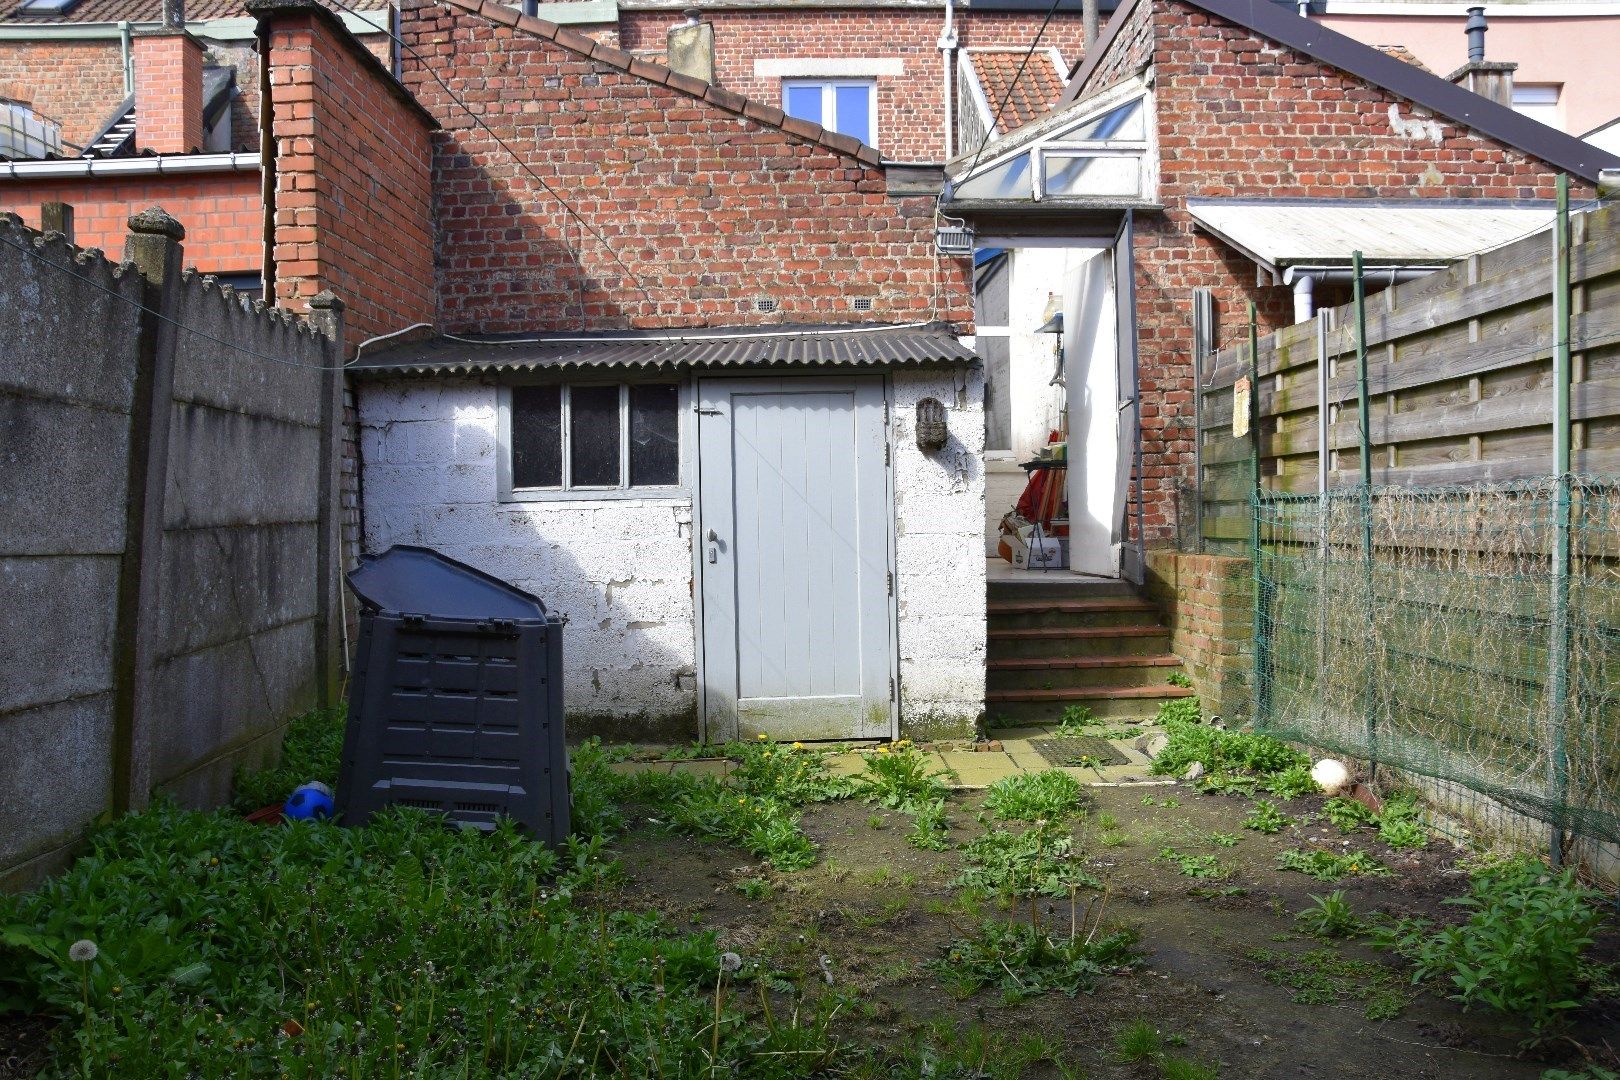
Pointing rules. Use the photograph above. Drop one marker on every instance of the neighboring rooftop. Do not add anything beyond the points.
(139, 11)
(1028, 81)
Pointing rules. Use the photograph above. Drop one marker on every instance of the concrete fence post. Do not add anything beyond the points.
(326, 315)
(153, 245)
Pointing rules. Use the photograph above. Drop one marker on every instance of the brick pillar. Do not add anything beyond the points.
(168, 92)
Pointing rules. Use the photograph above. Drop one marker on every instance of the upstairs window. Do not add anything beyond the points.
(847, 106)
(1538, 101)
(594, 439)
(24, 134)
(40, 9)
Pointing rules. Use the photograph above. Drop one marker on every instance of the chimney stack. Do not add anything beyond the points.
(691, 47)
(168, 85)
(1487, 78)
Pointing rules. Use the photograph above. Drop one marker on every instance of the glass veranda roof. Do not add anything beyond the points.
(1101, 155)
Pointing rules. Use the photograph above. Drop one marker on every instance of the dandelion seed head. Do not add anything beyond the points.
(82, 951)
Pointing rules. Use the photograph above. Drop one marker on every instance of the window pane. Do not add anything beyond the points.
(1125, 122)
(1093, 175)
(853, 109)
(593, 436)
(1009, 180)
(655, 457)
(802, 101)
(536, 436)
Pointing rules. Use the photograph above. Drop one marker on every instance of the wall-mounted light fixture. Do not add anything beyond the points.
(1054, 326)
(931, 430)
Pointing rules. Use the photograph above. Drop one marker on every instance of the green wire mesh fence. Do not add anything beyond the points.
(1437, 631)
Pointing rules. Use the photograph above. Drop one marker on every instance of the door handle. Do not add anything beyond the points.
(714, 550)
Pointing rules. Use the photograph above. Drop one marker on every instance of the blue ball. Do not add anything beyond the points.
(309, 802)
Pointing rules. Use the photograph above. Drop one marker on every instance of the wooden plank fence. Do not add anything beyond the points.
(1459, 376)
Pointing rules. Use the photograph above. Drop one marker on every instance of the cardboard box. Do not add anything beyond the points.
(1045, 553)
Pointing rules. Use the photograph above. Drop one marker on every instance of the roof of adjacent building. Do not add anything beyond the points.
(1029, 81)
(1277, 233)
(150, 11)
(784, 346)
(1377, 68)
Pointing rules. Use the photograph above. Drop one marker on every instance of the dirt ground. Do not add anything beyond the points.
(1225, 960)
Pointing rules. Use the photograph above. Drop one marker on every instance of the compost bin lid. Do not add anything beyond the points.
(420, 581)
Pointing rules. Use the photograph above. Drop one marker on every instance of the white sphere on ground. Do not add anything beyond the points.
(1331, 775)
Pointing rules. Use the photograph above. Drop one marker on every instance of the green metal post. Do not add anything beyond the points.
(1559, 647)
(1262, 643)
(1369, 691)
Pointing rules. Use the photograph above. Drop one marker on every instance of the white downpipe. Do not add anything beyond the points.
(947, 55)
(1304, 297)
(1304, 279)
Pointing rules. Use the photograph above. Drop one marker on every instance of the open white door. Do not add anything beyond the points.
(1099, 348)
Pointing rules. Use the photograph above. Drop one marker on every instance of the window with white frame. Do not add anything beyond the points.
(847, 106)
(593, 439)
(1104, 155)
(1538, 101)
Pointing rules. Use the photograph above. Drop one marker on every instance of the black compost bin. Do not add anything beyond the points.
(456, 705)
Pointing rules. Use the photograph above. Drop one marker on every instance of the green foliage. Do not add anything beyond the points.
(1292, 782)
(1329, 866)
(1040, 860)
(1221, 839)
(1185, 1069)
(1220, 751)
(1225, 783)
(1197, 866)
(1023, 960)
(788, 774)
(1400, 825)
(310, 750)
(1522, 950)
(898, 777)
(1075, 718)
(929, 828)
(1179, 678)
(1330, 916)
(755, 888)
(1044, 796)
(947, 1050)
(1324, 977)
(1179, 711)
(1596, 1072)
(1266, 818)
(1138, 1041)
(1347, 815)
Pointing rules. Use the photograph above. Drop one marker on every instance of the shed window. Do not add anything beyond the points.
(595, 437)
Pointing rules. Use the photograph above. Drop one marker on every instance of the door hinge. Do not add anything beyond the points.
(890, 576)
(885, 455)
(891, 687)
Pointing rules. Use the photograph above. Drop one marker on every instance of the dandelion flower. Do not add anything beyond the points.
(82, 951)
(761, 736)
(798, 746)
(730, 961)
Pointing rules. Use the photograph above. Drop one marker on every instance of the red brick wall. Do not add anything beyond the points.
(352, 198)
(221, 213)
(168, 93)
(708, 210)
(75, 83)
(911, 109)
(1239, 116)
(1208, 603)
(1130, 48)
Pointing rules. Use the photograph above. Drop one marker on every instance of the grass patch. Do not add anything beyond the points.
(1196, 866)
(1326, 977)
(1023, 960)
(1328, 866)
(1138, 1041)
(1044, 796)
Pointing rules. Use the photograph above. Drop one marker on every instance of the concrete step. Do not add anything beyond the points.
(1078, 641)
(1053, 586)
(1101, 611)
(1110, 702)
(1067, 672)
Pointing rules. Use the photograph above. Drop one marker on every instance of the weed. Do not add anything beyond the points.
(876, 821)
(1219, 751)
(1044, 796)
(1266, 818)
(309, 751)
(1041, 860)
(1522, 950)
(1022, 960)
(1179, 711)
(1348, 815)
(1328, 866)
(1292, 783)
(1196, 866)
(1075, 717)
(950, 1051)
(929, 828)
(899, 778)
(1324, 977)
(1330, 916)
(1186, 1069)
(1138, 1041)
(1179, 678)
(1595, 1072)
(755, 888)
(1400, 825)
(1225, 783)
(1220, 839)
(1107, 821)
(1112, 839)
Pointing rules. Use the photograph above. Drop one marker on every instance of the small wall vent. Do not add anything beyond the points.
(861, 303)
(764, 305)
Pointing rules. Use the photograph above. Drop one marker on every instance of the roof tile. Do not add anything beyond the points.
(1028, 94)
(97, 11)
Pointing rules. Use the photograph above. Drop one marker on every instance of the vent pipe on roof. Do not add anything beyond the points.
(1475, 29)
(531, 7)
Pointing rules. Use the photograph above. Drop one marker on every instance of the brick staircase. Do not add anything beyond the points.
(1075, 641)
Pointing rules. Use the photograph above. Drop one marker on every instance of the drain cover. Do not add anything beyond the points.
(1079, 751)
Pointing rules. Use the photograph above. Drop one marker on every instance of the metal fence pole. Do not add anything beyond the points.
(1559, 647)
(1364, 425)
(1323, 456)
(1262, 641)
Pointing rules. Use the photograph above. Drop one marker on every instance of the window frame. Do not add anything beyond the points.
(679, 492)
(829, 85)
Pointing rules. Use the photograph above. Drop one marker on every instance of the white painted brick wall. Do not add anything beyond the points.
(622, 570)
